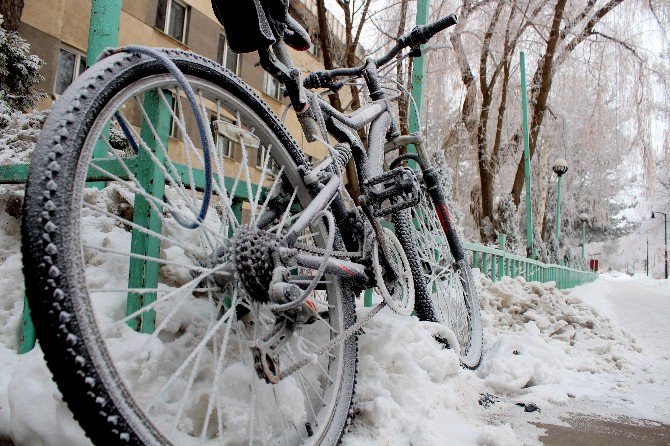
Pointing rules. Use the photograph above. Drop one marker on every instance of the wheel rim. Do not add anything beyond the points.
(211, 393)
(445, 282)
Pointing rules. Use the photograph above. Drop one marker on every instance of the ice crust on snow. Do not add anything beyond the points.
(18, 133)
(543, 346)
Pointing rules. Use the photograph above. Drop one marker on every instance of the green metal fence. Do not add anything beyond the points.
(142, 271)
(495, 264)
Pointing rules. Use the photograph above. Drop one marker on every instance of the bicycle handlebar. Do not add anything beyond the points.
(419, 35)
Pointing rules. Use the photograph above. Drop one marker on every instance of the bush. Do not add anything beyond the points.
(19, 71)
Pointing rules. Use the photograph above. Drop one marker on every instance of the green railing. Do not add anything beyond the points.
(143, 271)
(495, 264)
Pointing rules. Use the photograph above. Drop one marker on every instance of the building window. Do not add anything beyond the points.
(176, 112)
(261, 154)
(226, 57)
(315, 49)
(172, 19)
(224, 145)
(70, 65)
(272, 87)
(260, 157)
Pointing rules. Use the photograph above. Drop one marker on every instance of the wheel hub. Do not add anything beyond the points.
(252, 252)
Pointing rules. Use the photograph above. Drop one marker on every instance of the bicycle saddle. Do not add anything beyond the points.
(254, 24)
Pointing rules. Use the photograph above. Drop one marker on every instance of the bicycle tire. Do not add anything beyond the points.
(425, 234)
(101, 399)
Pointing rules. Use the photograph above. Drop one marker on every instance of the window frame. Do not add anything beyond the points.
(168, 13)
(174, 127)
(267, 81)
(79, 57)
(260, 156)
(223, 56)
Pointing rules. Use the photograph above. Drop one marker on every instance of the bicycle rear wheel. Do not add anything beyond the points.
(445, 291)
(147, 332)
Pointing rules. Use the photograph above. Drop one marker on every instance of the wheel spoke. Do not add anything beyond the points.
(172, 312)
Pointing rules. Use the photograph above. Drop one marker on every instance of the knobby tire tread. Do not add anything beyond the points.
(47, 204)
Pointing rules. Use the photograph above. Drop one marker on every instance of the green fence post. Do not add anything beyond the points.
(418, 72)
(367, 298)
(527, 271)
(485, 265)
(530, 248)
(501, 259)
(103, 32)
(143, 273)
(475, 258)
(27, 330)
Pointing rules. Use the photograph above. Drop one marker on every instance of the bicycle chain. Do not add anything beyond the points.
(317, 250)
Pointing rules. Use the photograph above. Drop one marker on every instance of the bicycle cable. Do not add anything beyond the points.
(205, 135)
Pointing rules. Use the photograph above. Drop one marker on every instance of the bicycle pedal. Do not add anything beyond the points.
(391, 192)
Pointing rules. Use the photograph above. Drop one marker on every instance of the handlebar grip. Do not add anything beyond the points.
(441, 25)
(423, 33)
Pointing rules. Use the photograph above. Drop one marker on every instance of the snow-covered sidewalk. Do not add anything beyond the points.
(641, 306)
(600, 349)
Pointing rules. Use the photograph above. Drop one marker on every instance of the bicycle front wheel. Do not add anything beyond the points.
(445, 291)
(151, 337)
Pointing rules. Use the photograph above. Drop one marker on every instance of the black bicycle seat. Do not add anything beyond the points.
(254, 24)
(296, 36)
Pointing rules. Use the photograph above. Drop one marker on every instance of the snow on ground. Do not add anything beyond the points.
(600, 349)
(563, 352)
(18, 133)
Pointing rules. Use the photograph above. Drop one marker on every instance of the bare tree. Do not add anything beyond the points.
(355, 17)
(555, 28)
(11, 11)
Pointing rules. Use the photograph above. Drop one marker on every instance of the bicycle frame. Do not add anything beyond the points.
(368, 162)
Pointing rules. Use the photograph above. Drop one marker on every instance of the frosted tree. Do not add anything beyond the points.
(19, 71)
(506, 222)
(446, 176)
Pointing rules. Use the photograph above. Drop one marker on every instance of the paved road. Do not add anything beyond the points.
(642, 307)
(587, 431)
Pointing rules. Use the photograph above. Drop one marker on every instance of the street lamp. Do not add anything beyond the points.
(560, 167)
(584, 218)
(665, 233)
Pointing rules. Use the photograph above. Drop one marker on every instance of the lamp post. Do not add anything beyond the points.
(560, 167)
(646, 265)
(584, 218)
(665, 234)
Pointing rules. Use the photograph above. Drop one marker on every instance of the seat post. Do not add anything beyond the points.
(277, 63)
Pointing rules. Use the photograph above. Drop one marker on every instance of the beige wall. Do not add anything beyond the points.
(50, 24)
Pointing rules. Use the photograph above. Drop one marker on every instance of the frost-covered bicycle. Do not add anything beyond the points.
(192, 276)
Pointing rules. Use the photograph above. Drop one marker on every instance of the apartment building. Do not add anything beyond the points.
(57, 31)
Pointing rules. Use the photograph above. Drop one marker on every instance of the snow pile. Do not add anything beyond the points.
(547, 353)
(18, 133)
(541, 337)
(411, 390)
(11, 277)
